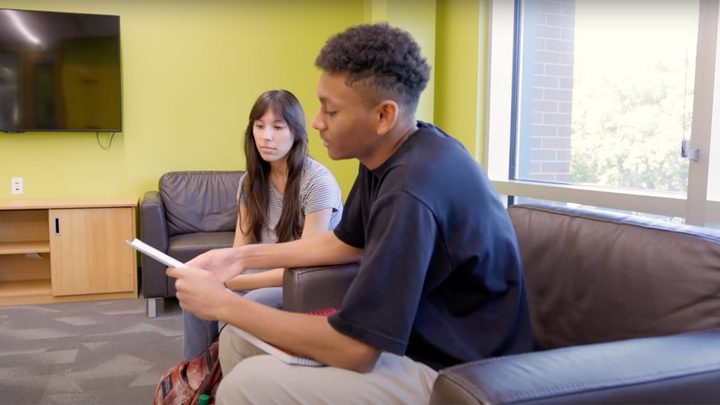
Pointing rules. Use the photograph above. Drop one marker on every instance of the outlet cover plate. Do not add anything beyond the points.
(16, 185)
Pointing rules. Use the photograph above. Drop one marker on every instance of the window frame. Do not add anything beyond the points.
(696, 208)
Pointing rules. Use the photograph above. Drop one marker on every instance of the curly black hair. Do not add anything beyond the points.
(388, 57)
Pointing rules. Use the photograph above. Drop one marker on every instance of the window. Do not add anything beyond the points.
(590, 102)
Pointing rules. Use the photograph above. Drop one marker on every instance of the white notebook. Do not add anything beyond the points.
(274, 351)
(262, 345)
(143, 247)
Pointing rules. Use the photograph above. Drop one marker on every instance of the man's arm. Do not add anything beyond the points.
(322, 249)
(317, 250)
(203, 294)
(315, 223)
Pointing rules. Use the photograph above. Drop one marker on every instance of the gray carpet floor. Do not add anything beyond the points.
(103, 352)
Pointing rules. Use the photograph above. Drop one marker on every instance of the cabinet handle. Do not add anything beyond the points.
(56, 222)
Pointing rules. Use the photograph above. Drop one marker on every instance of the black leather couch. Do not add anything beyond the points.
(190, 213)
(624, 309)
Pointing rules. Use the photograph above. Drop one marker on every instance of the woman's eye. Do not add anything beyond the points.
(279, 128)
(330, 113)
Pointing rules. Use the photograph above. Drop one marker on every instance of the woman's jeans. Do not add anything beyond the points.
(200, 333)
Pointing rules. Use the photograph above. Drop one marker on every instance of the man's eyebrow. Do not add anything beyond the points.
(325, 101)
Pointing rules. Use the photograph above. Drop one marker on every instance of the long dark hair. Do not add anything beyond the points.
(255, 188)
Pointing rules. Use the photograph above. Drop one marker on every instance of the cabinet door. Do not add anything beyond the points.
(88, 253)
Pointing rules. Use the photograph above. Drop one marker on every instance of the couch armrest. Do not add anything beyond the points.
(681, 368)
(154, 232)
(313, 288)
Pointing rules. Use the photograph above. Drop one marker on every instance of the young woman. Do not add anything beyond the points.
(284, 195)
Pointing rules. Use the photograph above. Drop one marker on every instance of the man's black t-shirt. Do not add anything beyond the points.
(440, 278)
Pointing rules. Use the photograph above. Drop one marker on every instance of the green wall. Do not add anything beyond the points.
(460, 71)
(192, 69)
(418, 17)
(452, 34)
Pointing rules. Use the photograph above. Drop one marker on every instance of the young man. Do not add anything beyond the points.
(440, 281)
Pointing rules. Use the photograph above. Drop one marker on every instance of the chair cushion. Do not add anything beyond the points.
(185, 247)
(200, 201)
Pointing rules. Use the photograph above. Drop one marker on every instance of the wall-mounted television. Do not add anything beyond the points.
(59, 72)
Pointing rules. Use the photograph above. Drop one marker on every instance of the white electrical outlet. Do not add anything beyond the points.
(16, 185)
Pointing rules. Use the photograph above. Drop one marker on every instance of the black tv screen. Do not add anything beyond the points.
(59, 72)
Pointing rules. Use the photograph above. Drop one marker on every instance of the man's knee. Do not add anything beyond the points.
(233, 349)
(253, 380)
(225, 352)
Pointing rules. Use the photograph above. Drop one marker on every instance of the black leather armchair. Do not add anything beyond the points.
(624, 309)
(314, 288)
(190, 213)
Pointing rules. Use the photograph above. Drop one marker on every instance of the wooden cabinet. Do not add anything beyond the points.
(70, 250)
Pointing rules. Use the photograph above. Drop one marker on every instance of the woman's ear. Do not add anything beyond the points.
(387, 116)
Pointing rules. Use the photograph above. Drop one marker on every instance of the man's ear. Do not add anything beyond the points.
(387, 115)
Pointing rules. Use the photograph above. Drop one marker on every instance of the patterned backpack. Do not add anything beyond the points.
(184, 383)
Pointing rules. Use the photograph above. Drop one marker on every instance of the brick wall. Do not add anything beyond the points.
(546, 93)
